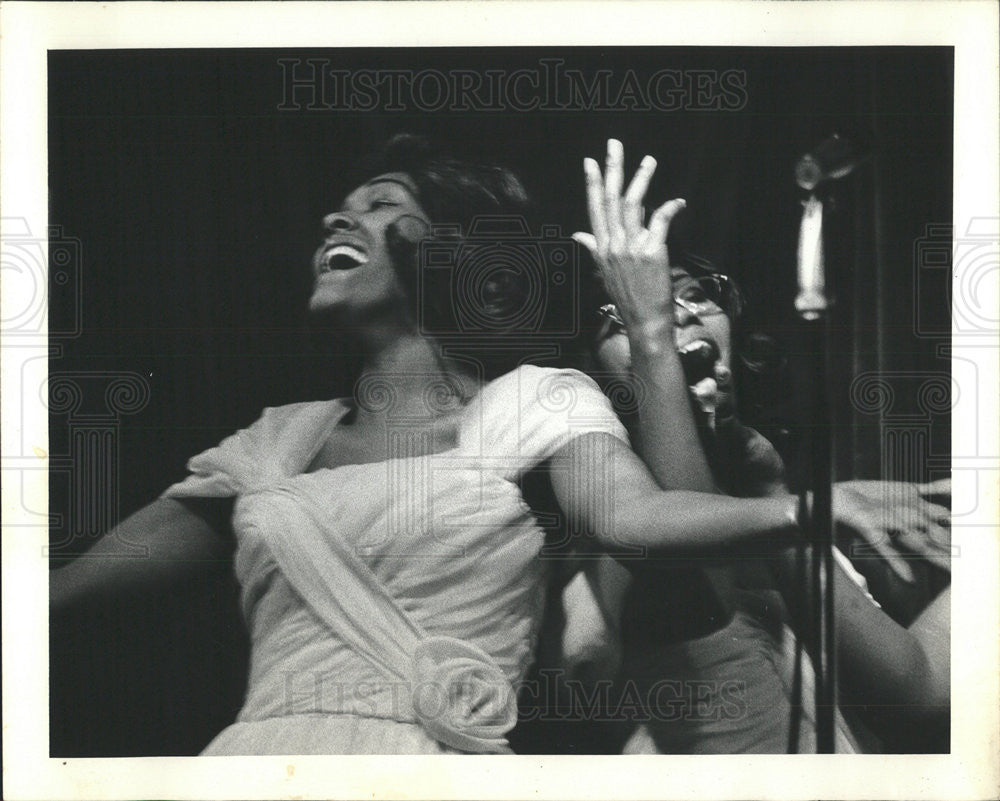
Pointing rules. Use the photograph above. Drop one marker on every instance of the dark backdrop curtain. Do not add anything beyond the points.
(195, 204)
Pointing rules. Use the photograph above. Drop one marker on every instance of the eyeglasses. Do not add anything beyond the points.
(703, 296)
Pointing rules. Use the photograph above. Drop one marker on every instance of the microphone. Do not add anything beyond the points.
(831, 159)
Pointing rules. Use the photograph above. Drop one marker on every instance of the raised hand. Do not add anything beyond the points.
(630, 255)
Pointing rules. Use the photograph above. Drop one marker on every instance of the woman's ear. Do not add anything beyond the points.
(411, 228)
(403, 238)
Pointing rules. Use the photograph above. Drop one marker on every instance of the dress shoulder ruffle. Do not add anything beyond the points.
(281, 443)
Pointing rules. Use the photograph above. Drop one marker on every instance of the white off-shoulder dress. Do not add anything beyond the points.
(392, 607)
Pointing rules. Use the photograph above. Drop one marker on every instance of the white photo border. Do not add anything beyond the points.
(29, 30)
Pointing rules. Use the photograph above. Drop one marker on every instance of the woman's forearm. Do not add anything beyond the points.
(631, 256)
(667, 439)
(161, 543)
(606, 490)
(687, 523)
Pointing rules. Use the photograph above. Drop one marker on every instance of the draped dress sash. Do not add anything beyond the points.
(458, 693)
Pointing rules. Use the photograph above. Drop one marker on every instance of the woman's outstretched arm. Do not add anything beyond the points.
(166, 541)
(607, 491)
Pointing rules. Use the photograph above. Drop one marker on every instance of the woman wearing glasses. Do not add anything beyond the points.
(709, 646)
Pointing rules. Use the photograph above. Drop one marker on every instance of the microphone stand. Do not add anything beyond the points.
(816, 518)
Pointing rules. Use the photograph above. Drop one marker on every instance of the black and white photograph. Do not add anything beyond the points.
(568, 397)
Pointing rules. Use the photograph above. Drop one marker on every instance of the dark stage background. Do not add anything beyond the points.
(196, 201)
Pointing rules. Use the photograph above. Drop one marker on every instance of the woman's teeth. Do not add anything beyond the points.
(703, 347)
(343, 257)
(698, 360)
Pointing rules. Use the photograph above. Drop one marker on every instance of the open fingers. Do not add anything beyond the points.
(937, 513)
(877, 539)
(928, 546)
(659, 221)
(632, 210)
(595, 203)
(940, 537)
(588, 241)
(933, 487)
(614, 177)
(893, 558)
(939, 490)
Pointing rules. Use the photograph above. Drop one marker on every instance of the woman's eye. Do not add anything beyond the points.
(379, 204)
(693, 294)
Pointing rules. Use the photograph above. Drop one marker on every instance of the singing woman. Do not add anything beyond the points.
(682, 624)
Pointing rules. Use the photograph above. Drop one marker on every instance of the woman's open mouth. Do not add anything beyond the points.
(698, 359)
(341, 257)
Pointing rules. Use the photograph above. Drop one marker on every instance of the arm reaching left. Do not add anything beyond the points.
(180, 539)
(604, 487)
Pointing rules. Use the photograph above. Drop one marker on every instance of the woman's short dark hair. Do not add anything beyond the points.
(455, 194)
(452, 192)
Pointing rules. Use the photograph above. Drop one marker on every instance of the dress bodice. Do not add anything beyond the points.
(343, 570)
